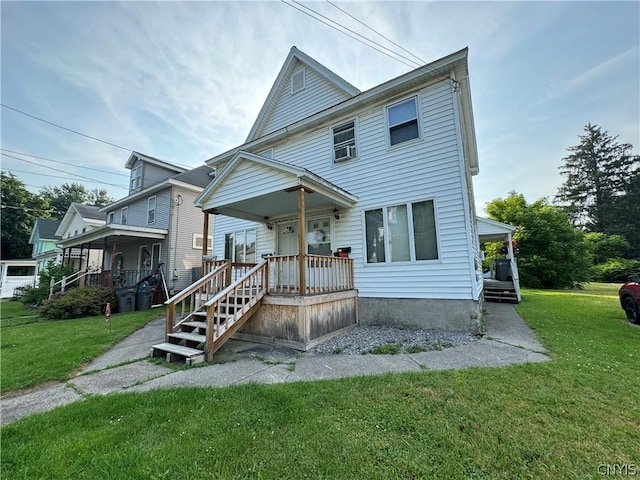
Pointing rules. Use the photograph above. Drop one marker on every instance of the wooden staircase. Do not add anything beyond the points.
(502, 292)
(220, 308)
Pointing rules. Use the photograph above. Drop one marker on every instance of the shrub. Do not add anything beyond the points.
(36, 295)
(78, 302)
(616, 270)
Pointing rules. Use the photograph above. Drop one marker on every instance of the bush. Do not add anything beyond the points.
(616, 270)
(78, 302)
(36, 295)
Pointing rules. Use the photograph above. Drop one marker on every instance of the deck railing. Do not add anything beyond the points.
(183, 304)
(323, 274)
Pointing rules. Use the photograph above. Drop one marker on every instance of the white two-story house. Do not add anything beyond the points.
(380, 179)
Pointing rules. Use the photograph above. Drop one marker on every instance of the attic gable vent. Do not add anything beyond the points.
(297, 81)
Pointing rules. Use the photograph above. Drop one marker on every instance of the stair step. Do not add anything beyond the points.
(192, 355)
(204, 315)
(191, 337)
(195, 324)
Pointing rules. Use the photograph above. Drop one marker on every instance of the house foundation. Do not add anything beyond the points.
(444, 314)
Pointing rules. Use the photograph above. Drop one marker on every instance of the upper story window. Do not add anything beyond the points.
(136, 177)
(402, 119)
(344, 141)
(110, 217)
(123, 215)
(151, 210)
(297, 81)
(401, 233)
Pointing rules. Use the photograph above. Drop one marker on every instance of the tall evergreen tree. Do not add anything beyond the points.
(597, 174)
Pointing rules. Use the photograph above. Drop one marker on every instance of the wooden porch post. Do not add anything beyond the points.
(205, 239)
(510, 247)
(113, 258)
(64, 251)
(104, 254)
(302, 250)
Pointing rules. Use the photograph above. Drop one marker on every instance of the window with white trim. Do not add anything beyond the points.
(402, 120)
(110, 218)
(344, 141)
(197, 242)
(297, 81)
(151, 210)
(136, 177)
(123, 215)
(240, 246)
(401, 233)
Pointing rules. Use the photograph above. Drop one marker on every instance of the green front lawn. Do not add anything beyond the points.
(559, 419)
(34, 351)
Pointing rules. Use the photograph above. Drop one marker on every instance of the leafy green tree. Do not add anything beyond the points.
(597, 175)
(60, 198)
(552, 252)
(605, 247)
(20, 208)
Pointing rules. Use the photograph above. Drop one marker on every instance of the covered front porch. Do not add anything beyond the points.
(502, 281)
(129, 256)
(297, 296)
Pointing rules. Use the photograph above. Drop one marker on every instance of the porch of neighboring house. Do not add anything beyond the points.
(502, 281)
(294, 298)
(125, 263)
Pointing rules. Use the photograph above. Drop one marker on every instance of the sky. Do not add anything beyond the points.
(184, 81)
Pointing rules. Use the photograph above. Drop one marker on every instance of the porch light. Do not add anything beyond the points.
(336, 214)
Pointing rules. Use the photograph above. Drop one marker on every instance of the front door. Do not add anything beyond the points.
(287, 244)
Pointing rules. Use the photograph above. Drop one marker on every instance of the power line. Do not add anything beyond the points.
(67, 129)
(345, 33)
(377, 33)
(413, 65)
(68, 173)
(64, 163)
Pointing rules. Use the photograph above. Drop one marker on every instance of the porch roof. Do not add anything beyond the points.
(493, 231)
(124, 232)
(257, 188)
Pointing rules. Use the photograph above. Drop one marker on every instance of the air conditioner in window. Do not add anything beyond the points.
(345, 153)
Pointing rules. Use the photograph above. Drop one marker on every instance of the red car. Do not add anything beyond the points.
(630, 298)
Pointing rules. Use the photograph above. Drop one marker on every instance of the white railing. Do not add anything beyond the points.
(67, 280)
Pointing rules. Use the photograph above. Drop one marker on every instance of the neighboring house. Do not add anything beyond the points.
(16, 273)
(77, 221)
(155, 224)
(382, 176)
(44, 240)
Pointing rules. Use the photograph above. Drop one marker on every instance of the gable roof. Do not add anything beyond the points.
(282, 80)
(46, 228)
(135, 156)
(453, 65)
(270, 198)
(199, 176)
(89, 214)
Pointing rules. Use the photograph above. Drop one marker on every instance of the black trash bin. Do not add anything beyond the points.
(126, 297)
(144, 296)
(503, 269)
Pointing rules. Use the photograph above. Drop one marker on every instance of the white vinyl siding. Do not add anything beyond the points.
(318, 94)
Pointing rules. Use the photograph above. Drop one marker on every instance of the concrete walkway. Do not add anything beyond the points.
(508, 340)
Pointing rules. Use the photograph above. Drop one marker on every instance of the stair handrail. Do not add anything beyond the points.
(190, 293)
(248, 280)
(67, 280)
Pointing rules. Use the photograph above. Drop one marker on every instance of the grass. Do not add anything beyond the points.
(33, 353)
(559, 419)
(15, 313)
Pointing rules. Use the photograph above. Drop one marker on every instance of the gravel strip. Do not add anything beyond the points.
(384, 339)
